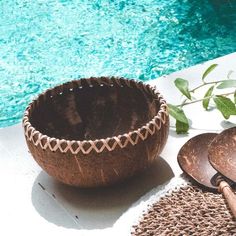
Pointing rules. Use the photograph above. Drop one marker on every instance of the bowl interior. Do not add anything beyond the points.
(94, 112)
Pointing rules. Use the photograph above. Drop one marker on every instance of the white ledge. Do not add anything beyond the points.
(33, 203)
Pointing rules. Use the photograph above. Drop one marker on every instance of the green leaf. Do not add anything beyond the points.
(177, 113)
(227, 84)
(181, 128)
(182, 125)
(235, 96)
(208, 71)
(182, 85)
(225, 106)
(206, 100)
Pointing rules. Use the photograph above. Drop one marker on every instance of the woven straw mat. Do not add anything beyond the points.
(188, 210)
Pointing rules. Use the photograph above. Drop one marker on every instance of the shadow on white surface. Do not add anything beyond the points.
(173, 133)
(94, 208)
(227, 124)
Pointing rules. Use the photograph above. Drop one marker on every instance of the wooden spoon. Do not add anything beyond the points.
(222, 156)
(193, 160)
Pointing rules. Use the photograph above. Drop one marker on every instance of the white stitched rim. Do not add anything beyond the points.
(109, 143)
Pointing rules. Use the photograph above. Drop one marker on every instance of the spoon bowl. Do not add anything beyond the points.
(222, 153)
(193, 160)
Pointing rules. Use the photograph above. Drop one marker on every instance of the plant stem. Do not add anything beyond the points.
(207, 83)
(199, 100)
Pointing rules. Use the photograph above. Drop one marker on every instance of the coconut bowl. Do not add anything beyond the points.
(97, 131)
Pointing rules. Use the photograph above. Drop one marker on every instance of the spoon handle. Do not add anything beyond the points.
(229, 195)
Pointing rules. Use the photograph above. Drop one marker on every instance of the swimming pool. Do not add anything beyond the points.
(46, 42)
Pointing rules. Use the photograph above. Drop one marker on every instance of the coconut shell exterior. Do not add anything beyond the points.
(222, 153)
(97, 131)
(193, 160)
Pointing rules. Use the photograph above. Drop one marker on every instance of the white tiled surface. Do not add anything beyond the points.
(25, 208)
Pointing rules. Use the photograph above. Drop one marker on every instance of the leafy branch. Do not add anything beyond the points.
(222, 102)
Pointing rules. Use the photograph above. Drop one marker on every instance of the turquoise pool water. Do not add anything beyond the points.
(46, 42)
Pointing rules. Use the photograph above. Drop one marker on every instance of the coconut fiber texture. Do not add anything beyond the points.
(188, 210)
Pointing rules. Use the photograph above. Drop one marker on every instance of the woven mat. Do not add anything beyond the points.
(187, 211)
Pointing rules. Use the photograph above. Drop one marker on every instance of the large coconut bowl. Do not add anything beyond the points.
(97, 131)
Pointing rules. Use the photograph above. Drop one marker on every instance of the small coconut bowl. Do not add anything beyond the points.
(97, 131)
